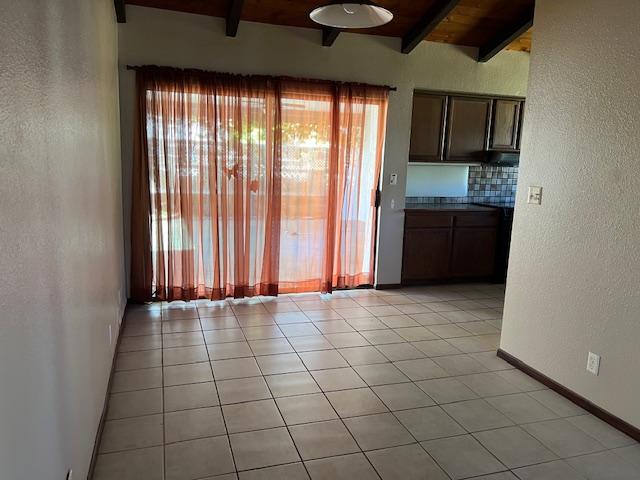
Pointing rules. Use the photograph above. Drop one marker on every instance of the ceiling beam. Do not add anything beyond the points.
(505, 37)
(233, 17)
(329, 35)
(121, 13)
(427, 24)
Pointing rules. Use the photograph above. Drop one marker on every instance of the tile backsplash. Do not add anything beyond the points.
(487, 183)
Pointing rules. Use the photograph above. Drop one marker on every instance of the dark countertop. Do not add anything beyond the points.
(496, 204)
(450, 207)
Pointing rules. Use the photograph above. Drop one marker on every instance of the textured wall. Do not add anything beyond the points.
(574, 271)
(153, 36)
(61, 259)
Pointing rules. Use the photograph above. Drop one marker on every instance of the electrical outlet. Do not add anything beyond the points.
(534, 195)
(70, 474)
(393, 179)
(393, 204)
(593, 363)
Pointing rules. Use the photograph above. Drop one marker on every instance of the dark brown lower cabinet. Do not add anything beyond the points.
(444, 245)
(423, 257)
(474, 252)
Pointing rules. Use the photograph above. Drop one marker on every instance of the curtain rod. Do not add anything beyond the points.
(138, 67)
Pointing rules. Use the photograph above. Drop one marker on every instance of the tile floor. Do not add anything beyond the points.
(396, 384)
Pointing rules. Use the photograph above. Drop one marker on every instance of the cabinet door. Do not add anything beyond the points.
(426, 254)
(474, 252)
(427, 128)
(467, 129)
(505, 124)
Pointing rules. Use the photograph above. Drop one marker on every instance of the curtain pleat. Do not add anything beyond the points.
(249, 186)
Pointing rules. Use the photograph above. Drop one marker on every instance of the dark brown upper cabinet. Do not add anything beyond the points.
(467, 131)
(427, 127)
(505, 125)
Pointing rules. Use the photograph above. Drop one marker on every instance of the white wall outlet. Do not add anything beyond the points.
(393, 179)
(593, 363)
(534, 195)
(110, 335)
(70, 474)
(393, 204)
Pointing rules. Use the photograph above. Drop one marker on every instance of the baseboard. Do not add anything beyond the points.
(96, 443)
(579, 400)
(387, 286)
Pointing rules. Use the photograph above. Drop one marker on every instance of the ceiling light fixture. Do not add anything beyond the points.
(351, 15)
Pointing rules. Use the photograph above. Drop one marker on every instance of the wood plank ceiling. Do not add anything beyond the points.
(490, 25)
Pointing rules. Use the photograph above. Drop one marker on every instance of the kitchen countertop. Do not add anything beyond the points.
(450, 207)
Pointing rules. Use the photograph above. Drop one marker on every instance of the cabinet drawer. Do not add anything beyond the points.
(477, 220)
(428, 220)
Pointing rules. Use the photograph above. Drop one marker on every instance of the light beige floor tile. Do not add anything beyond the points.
(476, 415)
(429, 423)
(258, 415)
(382, 311)
(130, 380)
(337, 379)
(235, 368)
(216, 323)
(134, 404)
(431, 318)
(420, 369)
(287, 384)
(299, 330)
(522, 381)
(436, 348)
(285, 318)
(291, 471)
(305, 409)
(362, 355)
(270, 346)
(462, 457)
(363, 324)
(144, 463)
(135, 329)
(334, 326)
(557, 403)
(521, 408)
(198, 458)
(184, 339)
(604, 466)
(345, 467)
(323, 359)
(243, 390)
(145, 342)
(263, 448)
(400, 351)
(459, 364)
(382, 337)
(178, 326)
(399, 321)
(322, 315)
(380, 374)
(488, 384)
(449, 330)
(408, 462)
(402, 396)
(192, 424)
(491, 361)
(378, 431)
(262, 332)
(601, 431)
(415, 334)
(224, 351)
(190, 373)
(360, 401)
(347, 339)
(184, 355)
(256, 320)
(446, 390)
(195, 395)
(309, 344)
(563, 438)
(130, 433)
(514, 447)
(557, 470)
(138, 360)
(323, 439)
(280, 363)
(225, 335)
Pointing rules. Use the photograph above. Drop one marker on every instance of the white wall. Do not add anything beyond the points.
(574, 273)
(61, 253)
(160, 37)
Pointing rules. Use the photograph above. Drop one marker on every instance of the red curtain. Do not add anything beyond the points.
(250, 185)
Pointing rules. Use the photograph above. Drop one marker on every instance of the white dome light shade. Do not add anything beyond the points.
(351, 15)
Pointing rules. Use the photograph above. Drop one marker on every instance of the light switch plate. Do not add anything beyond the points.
(534, 195)
(593, 363)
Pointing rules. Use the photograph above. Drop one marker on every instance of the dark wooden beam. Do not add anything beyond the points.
(427, 24)
(121, 13)
(329, 35)
(233, 17)
(505, 37)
